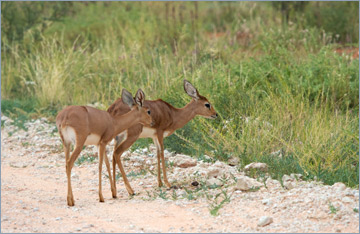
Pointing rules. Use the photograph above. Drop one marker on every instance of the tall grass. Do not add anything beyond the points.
(274, 87)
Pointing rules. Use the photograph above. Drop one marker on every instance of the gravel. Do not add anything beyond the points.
(33, 170)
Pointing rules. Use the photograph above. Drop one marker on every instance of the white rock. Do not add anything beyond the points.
(246, 183)
(180, 193)
(267, 201)
(184, 161)
(347, 200)
(213, 172)
(287, 178)
(265, 220)
(289, 184)
(270, 182)
(296, 176)
(258, 166)
(233, 161)
(213, 181)
(339, 186)
(207, 158)
(220, 164)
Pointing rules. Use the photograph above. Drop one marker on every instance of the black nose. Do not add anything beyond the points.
(216, 115)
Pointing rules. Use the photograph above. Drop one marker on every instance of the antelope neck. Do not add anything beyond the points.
(125, 121)
(183, 115)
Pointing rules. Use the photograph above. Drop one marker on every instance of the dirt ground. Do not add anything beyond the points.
(34, 187)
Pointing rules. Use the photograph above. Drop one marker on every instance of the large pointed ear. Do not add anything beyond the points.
(127, 98)
(191, 90)
(140, 97)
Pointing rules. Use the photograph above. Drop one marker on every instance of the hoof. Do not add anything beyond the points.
(70, 202)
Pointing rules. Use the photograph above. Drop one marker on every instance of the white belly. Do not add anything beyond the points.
(69, 135)
(148, 132)
(151, 133)
(92, 139)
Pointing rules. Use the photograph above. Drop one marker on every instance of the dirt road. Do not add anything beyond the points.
(34, 186)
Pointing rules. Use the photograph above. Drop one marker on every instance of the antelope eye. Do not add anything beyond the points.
(207, 105)
(149, 112)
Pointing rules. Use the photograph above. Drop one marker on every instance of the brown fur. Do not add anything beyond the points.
(85, 120)
(166, 119)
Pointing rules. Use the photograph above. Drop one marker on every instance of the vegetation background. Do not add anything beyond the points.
(274, 71)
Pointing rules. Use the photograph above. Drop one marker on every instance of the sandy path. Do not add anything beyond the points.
(33, 198)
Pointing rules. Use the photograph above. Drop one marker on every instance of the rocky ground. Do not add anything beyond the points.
(211, 197)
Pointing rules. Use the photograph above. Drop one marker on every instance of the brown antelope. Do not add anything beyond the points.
(166, 120)
(84, 125)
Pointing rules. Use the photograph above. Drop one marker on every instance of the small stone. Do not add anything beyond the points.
(347, 200)
(213, 172)
(78, 229)
(296, 176)
(338, 230)
(36, 209)
(88, 226)
(245, 183)
(258, 166)
(265, 220)
(289, 184)
(339, 186)
(184, 161)
(266, 201)
(213, 181)
(233, 161)
(287, 178)
(58, 218)
(195, 183)
(242, 185)
(180, 193)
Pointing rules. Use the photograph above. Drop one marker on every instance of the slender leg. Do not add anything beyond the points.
(101, 158)
(69, 166)
(158, 149)
(160, 142)
(114, 173)
(117, 159)
(109, 172)
(164, 164)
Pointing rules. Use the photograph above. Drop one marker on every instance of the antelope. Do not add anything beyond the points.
(166, 120)
(85, 125)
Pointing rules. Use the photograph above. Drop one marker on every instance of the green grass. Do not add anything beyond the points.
(276, 87)
(85, 158)
(332, 208)
(215, 205)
